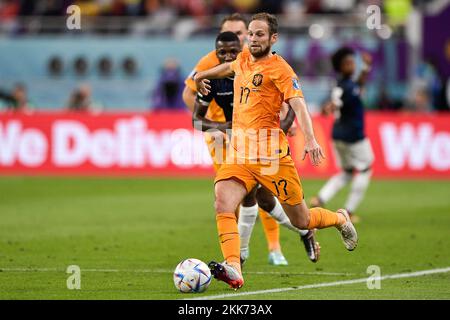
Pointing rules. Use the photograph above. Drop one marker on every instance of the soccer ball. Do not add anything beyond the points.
(192, 275)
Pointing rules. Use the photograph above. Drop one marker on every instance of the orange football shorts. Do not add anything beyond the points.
(278, 176)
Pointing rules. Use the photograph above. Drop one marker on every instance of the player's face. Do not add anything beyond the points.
(227, 51)
(348, 65)
(237, 27)
(259, 39)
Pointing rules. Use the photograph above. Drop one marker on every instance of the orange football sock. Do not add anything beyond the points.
(229, 238)
(271, 230)
(323, 218)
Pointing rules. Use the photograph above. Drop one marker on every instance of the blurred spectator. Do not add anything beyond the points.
(341, 6)
(223, 7)
(81, 100)
(51, 7)
(423, 86)
(313, 6)
(117, 8)
(129, 66)
(442, 96)
(168, 91)
(133, 7)
(246, 5)
(55, 66)
(385, 102)
(17, 100)
(272, 6)
(105, 66)
(150, 7)
(192, 8)
(89, 7)
(161, 15)
(9, 9)
(421, 101)
(80, 66)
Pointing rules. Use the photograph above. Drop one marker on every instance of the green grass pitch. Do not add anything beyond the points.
(127, 235)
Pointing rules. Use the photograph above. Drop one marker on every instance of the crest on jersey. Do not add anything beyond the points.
(257, 79)
(295, 84)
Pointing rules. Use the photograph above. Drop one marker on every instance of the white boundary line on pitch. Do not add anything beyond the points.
(317, 273)
(325, 284)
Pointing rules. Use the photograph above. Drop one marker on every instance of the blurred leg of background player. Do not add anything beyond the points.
(355, 159)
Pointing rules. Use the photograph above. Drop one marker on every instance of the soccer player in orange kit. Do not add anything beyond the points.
(249, 208)
(262, 81)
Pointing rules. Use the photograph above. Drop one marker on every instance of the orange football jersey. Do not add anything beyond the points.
(259, 89)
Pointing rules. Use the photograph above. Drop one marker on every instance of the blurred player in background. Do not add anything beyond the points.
(264, 81)
(248, 211)
(353, 150)
(227, 49)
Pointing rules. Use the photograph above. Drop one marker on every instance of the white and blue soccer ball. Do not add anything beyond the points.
(192, 275)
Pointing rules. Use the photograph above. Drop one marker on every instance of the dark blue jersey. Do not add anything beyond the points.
(349, 123)
(222, 92)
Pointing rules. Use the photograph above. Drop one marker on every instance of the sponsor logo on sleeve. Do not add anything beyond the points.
(295, 84)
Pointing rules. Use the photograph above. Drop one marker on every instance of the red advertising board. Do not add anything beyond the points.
(164, 144)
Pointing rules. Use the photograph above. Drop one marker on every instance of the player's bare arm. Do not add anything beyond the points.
(199, 121)
(311, 146)
(218, 72)
(189, 97)
(367, 65)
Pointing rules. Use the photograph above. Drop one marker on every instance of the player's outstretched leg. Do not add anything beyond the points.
(229, 193)
(271, 204)
(319, 218)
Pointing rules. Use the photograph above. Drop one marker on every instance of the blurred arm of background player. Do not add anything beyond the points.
(200, 122)
(367, 65)
(203, 87)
